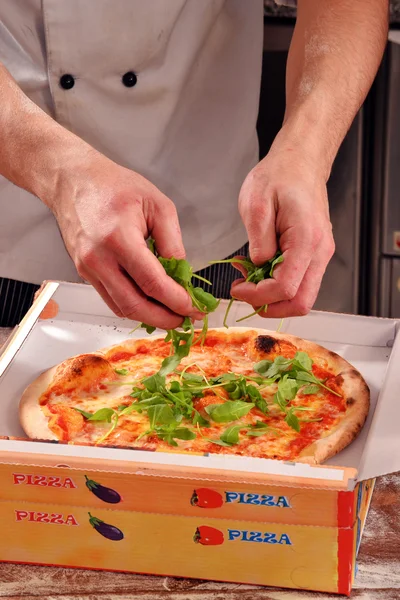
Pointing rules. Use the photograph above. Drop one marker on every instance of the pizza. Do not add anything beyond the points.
(241, 391)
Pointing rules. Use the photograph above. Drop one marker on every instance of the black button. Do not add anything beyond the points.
(67, 81)
(129, 79)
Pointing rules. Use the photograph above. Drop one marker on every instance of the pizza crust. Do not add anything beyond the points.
(32, 418)
(35, 422)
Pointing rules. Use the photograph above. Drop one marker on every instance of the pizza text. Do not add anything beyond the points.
(44, 517)
(257, 499)
(43, 480)
(258, 536)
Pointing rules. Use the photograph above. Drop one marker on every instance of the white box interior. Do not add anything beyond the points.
(84, 323)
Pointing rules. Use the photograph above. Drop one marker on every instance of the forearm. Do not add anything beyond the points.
(334, 55)
(35, 151)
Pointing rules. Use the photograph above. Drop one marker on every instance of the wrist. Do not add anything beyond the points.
(309, 134)
(62, 162)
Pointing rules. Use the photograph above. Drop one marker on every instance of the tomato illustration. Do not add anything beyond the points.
(208, 536)
(206, 498)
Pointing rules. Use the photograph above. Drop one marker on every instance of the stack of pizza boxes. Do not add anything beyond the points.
(216, 517)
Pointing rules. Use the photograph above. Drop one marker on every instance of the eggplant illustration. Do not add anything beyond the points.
(105, 529)
(103, 493)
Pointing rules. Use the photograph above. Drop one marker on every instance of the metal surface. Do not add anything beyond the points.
(382, 183)
(391, 191)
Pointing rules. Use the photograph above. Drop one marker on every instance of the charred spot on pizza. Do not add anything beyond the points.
(266, 343)
(350, 401)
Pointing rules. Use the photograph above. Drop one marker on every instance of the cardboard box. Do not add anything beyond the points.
(216, 517)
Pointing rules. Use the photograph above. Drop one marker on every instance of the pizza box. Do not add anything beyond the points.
(304, 521)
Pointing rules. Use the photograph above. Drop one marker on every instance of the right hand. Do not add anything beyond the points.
(105, 213)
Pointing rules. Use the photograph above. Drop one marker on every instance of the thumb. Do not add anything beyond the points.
(166, 230)
(259, 219)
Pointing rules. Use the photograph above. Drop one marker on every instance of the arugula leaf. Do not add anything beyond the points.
(236, 389)
(305, 376)
(313, 388)
(121, 371)
(199, 420)
(205, 301)
(259, 425)
(183, 433)
(231, 410)
(275, 261)
(87, 415)
(154, 383)
(263, 367)
(292, 420)
(103, 414)
(149, 328)
(144, 404)
(192, 377)
(256, 433)
(255, 274)
(170, 432)
(231, 434)
(169, 364)
(257, 399)
(288, 388)
(160, 414)
(302, 359)
(219, 443)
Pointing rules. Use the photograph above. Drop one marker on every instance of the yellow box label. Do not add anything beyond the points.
(220, 549)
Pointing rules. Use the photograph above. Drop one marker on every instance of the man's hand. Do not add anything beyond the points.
(334, 55)
(283, 204)
(105, 213)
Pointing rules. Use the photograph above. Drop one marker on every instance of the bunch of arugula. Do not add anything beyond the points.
(181, 341)
(172, 415)
(255, 274)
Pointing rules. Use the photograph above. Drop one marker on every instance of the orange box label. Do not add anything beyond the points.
(168, 495)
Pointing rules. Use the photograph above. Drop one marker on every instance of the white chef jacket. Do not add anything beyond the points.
(188, 125)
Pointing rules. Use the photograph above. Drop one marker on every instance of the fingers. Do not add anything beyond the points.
(258, 215)
(125, 299)
(166, 231)
(298, 248)
(149, 275)
(304, 298)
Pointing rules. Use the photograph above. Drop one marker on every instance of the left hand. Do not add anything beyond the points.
(283, 203)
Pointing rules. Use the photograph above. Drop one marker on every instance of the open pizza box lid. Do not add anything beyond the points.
(80, 322)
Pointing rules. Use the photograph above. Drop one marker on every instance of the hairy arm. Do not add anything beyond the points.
(105, 212)
(335, 52)
(334, 55)
(35, 150)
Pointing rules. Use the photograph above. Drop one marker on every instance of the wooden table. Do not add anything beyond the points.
(378, 576)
